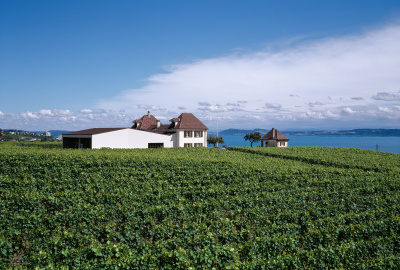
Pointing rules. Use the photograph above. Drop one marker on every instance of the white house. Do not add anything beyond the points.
(274, 138)
(147, 132)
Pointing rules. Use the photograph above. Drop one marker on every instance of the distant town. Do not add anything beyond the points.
(25, 136)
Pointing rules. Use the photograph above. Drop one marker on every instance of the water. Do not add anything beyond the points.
(385, 144)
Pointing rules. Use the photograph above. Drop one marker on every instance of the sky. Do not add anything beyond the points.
(292, 65)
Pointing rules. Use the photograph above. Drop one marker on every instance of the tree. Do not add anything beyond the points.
(214, 140)
(253, 137)
(220, 140)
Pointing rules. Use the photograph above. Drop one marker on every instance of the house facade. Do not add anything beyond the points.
(147, 132)
(274, 138)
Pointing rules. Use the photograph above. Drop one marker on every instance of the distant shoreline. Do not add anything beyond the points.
(322, 133)
(325, 133)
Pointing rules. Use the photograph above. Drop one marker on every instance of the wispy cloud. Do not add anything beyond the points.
(144, 107)
(387, 96)
(273, 106)
(204, 104)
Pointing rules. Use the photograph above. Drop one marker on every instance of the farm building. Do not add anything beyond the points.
(147, 132)
(274, 138)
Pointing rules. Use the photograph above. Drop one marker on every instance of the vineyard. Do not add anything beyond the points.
(198, 208)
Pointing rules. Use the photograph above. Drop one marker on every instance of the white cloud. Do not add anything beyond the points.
(351, 79)
(207, 107)
(334, 74)
(331, 115)
(384, 109)
(314, 115)
(86, 111)
(30, 115)
(46, 112)
(62, 112)
(348, 111)
(64, 119)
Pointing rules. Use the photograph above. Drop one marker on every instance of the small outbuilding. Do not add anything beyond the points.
(274, 138)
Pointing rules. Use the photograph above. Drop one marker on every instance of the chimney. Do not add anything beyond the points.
(148, 113)
(158, 123)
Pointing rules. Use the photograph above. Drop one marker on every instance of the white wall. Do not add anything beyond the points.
(130, 138)
(181, 140)
(278, 144)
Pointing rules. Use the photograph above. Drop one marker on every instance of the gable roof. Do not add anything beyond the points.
(274, 134)
(92, 131)
(145, 122)
(187, 121)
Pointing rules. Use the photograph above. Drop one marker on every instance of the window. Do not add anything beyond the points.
(188, 134)
(187, 145)
(198, 144)
(155, 145)
(198, 134)
(282, 143)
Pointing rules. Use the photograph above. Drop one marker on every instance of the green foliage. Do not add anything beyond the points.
(252, 137)
(331, 156)
(214, 140)
(198, 208)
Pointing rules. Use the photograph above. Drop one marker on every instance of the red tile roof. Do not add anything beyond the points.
(92, 131)
(149, 123)
(162, 129)
(187, 121)
(145, 122)
(274, 134)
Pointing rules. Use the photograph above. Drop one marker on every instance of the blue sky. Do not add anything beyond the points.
(74, 65)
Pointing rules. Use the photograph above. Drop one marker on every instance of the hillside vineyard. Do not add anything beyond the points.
(199, 208)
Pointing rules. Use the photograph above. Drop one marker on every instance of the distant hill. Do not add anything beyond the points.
(353, 132)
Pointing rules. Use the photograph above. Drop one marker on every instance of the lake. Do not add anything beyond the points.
(385, 144)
